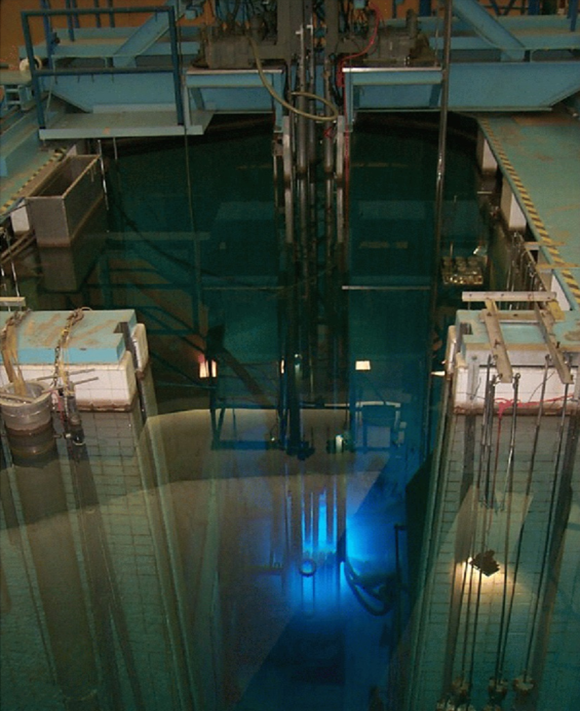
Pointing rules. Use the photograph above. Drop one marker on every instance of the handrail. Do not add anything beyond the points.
(72, 4)
(36, 73)
(97, 5)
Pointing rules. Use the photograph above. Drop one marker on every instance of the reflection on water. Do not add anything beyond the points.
(149, 567)
(247, 545)
(65, 270)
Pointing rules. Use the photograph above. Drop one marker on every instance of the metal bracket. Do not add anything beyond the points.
(287, 164)
(13, 302)
(541, 315)
(491, 319)
(340, 131)
(546, 324)
(509, 296)
(340, 197)
(472, 377)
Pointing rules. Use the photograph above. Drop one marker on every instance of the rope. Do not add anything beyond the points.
(9, 349)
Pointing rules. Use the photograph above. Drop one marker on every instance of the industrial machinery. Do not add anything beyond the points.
(103, 72)
(163, 70)
(337, 29)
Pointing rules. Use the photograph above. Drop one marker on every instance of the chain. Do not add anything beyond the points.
(8, 344)
(73, 318)
(15, 320)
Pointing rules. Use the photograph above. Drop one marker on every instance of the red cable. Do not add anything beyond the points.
(342, 62)
(504, 405)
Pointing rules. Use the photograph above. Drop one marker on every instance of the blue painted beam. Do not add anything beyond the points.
(238, 90)
(546, 32)
(391, 76)
(530, 42)
(489, 86)
(487, 27)
(37, 74)
(512, 22)
(147, 34)
(485, 86)
(107, 48)
(125, 122)
(92, 91)
(19, 143)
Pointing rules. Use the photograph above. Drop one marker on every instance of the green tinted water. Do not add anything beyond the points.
(214, 562)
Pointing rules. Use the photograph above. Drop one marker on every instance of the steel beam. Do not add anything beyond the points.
(486, 26)
(148, 34)
(474, 86)
(232, 90)
(36, 74)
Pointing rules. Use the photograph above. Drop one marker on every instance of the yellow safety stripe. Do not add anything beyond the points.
(530, 209)
(57, 155)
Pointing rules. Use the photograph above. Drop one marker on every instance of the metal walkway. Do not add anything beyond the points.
(540, 156)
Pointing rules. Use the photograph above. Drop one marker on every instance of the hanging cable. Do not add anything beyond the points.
(508, 491)
(549, 526)
(467, 612)
(333, 116)
(366, 50)
(524, 518)
(190, 208)
(510, 463)
(475, 623)
(474, 507)
(487, 448)
(475, 503)
(491, 485)
(489, 405)
(484, 425)
(340, 84)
